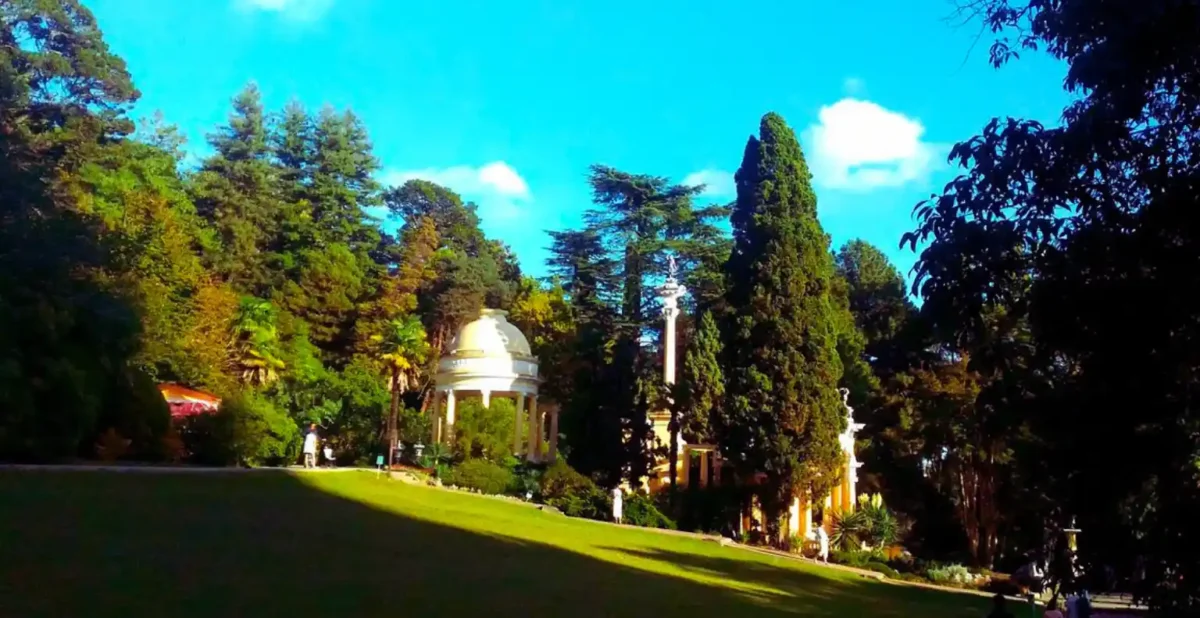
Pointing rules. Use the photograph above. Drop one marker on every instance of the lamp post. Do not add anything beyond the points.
(1072, 536)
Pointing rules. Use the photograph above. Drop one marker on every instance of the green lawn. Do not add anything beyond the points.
(99, 544)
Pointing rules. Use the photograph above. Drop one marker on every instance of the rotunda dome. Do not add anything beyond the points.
(491, 335)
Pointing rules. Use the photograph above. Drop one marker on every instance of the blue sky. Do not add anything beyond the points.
(509, 102)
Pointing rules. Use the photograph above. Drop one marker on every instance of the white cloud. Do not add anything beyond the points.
(297, 10)
(859, 145)
(496, 187)
(717, 183)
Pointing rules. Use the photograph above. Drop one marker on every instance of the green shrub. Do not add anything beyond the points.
(715, 507)
(259, 434)
(484, 433)
(481, 475)
(573, 493)
(137, 411)
(526, 481)
(640, 511)
(950, 575)
(880, 567)
(858, 558)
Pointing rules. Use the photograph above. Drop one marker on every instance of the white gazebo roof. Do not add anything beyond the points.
(489, 355)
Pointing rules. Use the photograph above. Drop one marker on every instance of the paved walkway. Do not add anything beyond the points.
(166, 469)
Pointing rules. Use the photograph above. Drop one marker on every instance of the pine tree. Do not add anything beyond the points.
(236, 190)
(782, 413)
(590, 422)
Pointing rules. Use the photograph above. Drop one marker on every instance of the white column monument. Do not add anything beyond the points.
(670, 293)
(660, 420)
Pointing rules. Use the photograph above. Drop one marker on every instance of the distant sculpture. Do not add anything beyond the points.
(672, 269)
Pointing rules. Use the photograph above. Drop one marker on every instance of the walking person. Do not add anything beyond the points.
(823, 540)
(310, 447)
(328, 453)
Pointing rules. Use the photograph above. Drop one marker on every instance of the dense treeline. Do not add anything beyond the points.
(1048, 376)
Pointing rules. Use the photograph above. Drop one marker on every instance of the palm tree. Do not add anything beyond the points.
(403, 348)
(257, 341)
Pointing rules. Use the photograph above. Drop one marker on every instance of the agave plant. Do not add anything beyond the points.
(872, 524)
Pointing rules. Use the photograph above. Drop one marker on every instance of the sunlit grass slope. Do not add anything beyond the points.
(103, 544)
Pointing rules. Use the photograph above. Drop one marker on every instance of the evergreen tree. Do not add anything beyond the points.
(328, 239)
(875, 294)
(236, 190)
(591, 425)
(782, 413)
(701, 387)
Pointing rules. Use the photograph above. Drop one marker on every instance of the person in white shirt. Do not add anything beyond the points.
(618, 506)
(823, 539)
(328, 452)
(310, 447)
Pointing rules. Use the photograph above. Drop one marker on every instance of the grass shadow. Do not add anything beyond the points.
(105, 544)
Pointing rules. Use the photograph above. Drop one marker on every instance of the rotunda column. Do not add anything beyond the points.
(449, 432)
(436, 418)
(517, 425)
(532, 453)
(487, 398)
(553, 455)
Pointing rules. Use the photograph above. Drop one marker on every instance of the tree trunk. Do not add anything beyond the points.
(393, 415)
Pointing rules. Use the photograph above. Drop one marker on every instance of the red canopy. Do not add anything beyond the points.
(187, 402)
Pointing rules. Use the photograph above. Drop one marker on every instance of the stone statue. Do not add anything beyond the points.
(672, 269)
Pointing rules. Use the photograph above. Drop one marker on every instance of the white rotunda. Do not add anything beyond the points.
(491, 357)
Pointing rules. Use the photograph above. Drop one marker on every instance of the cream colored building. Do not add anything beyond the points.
(490, 357)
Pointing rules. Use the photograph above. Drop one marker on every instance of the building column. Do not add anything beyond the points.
(851, 482)
(435, 418)
(827, 514)
(704, 468)
(847, 493)
(553, 435)
(487, 398)
(517, 416)
(448, 433)
(835, 498)
(806, 522)
(531, 454)
(794, 522)
(684, 467)
(543, 420)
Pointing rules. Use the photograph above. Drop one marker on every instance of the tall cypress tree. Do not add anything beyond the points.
(782, 413)
(701, 387)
